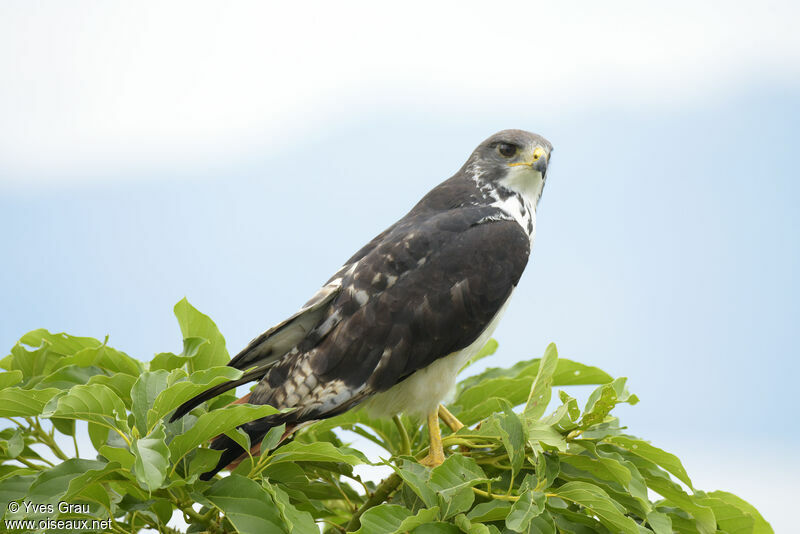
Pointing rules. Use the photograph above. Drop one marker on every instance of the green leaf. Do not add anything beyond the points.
(118, 455)
(119, 383)
(416, 477)
(512, 390)
(394, 519)
(602, 401)
(730, 519)
(453, 481)
(480, 396)
(179, 392)
(542, 524)
(62, 344)
(512, 434)
(565, 417)
(241, 438)
(317, 452)
(542, 436)
(660, 457)
(50, 350)
(18, 402)
(465, 525)
(437, 527)
(659, 523)
(487, 350)
(567, 373)
(760, 525)
(529, 505)
(548, 467)
(572, 522)
(65, 426)
(570, 373)
(602, 468)
(214, 423)
(494, 510)
(247, 505)
(95, 403)
(202, 461)
(296, 521)
(10, 378)
(13, 489)
(104, 357)
(51, 485)
(13, 445)
(198, 325)
(98, 435)
(629, 488)
(660, 482)
(272, 438)
(542, 386)
(143, 393)
(595, 481)
(523, 369)
(599, 503)
(383, 431)
(152, 459)
(111, 471)
(169, 361)
(487, 406)
(603, 430)
(163, 509)
(68, 376)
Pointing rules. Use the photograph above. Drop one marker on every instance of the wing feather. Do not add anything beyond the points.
(442, 281)
(281, 338)
(265, 350)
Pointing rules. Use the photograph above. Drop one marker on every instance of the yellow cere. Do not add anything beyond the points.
(538, 152)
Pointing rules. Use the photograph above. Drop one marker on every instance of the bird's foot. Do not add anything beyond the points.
(433, 459)
(449, 419)
(435, 455)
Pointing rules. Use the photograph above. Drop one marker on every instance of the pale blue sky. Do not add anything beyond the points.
(666, 249)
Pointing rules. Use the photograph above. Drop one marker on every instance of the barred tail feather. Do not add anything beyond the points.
(208, 394)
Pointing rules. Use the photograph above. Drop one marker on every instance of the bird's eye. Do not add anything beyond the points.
(507, 150)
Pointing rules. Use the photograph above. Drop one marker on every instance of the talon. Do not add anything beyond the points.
(433, 460)
(436, 455)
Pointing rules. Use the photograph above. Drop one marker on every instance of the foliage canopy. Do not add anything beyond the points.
(514, 468)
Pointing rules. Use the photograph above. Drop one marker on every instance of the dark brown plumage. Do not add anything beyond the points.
(424, 290)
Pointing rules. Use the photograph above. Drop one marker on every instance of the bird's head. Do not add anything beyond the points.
(513, 159)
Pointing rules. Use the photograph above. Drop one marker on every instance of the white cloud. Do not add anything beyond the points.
(98, 82)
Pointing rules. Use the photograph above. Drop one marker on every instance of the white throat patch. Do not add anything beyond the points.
(522, 180)
(525, 181)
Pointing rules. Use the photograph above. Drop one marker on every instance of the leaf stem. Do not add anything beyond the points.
(47, 439)
(382, 493)
(336, 485)
(574, 434)
(204, 520)
(367, 492)
(338, 527)
(405, 443)
(30, 464)
(488, 495)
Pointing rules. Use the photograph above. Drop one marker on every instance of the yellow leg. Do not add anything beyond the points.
(436, 454)
(450, 419)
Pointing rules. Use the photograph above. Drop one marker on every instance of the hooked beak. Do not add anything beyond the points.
(539, 162)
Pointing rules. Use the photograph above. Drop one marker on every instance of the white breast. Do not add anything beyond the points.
(522, 213)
